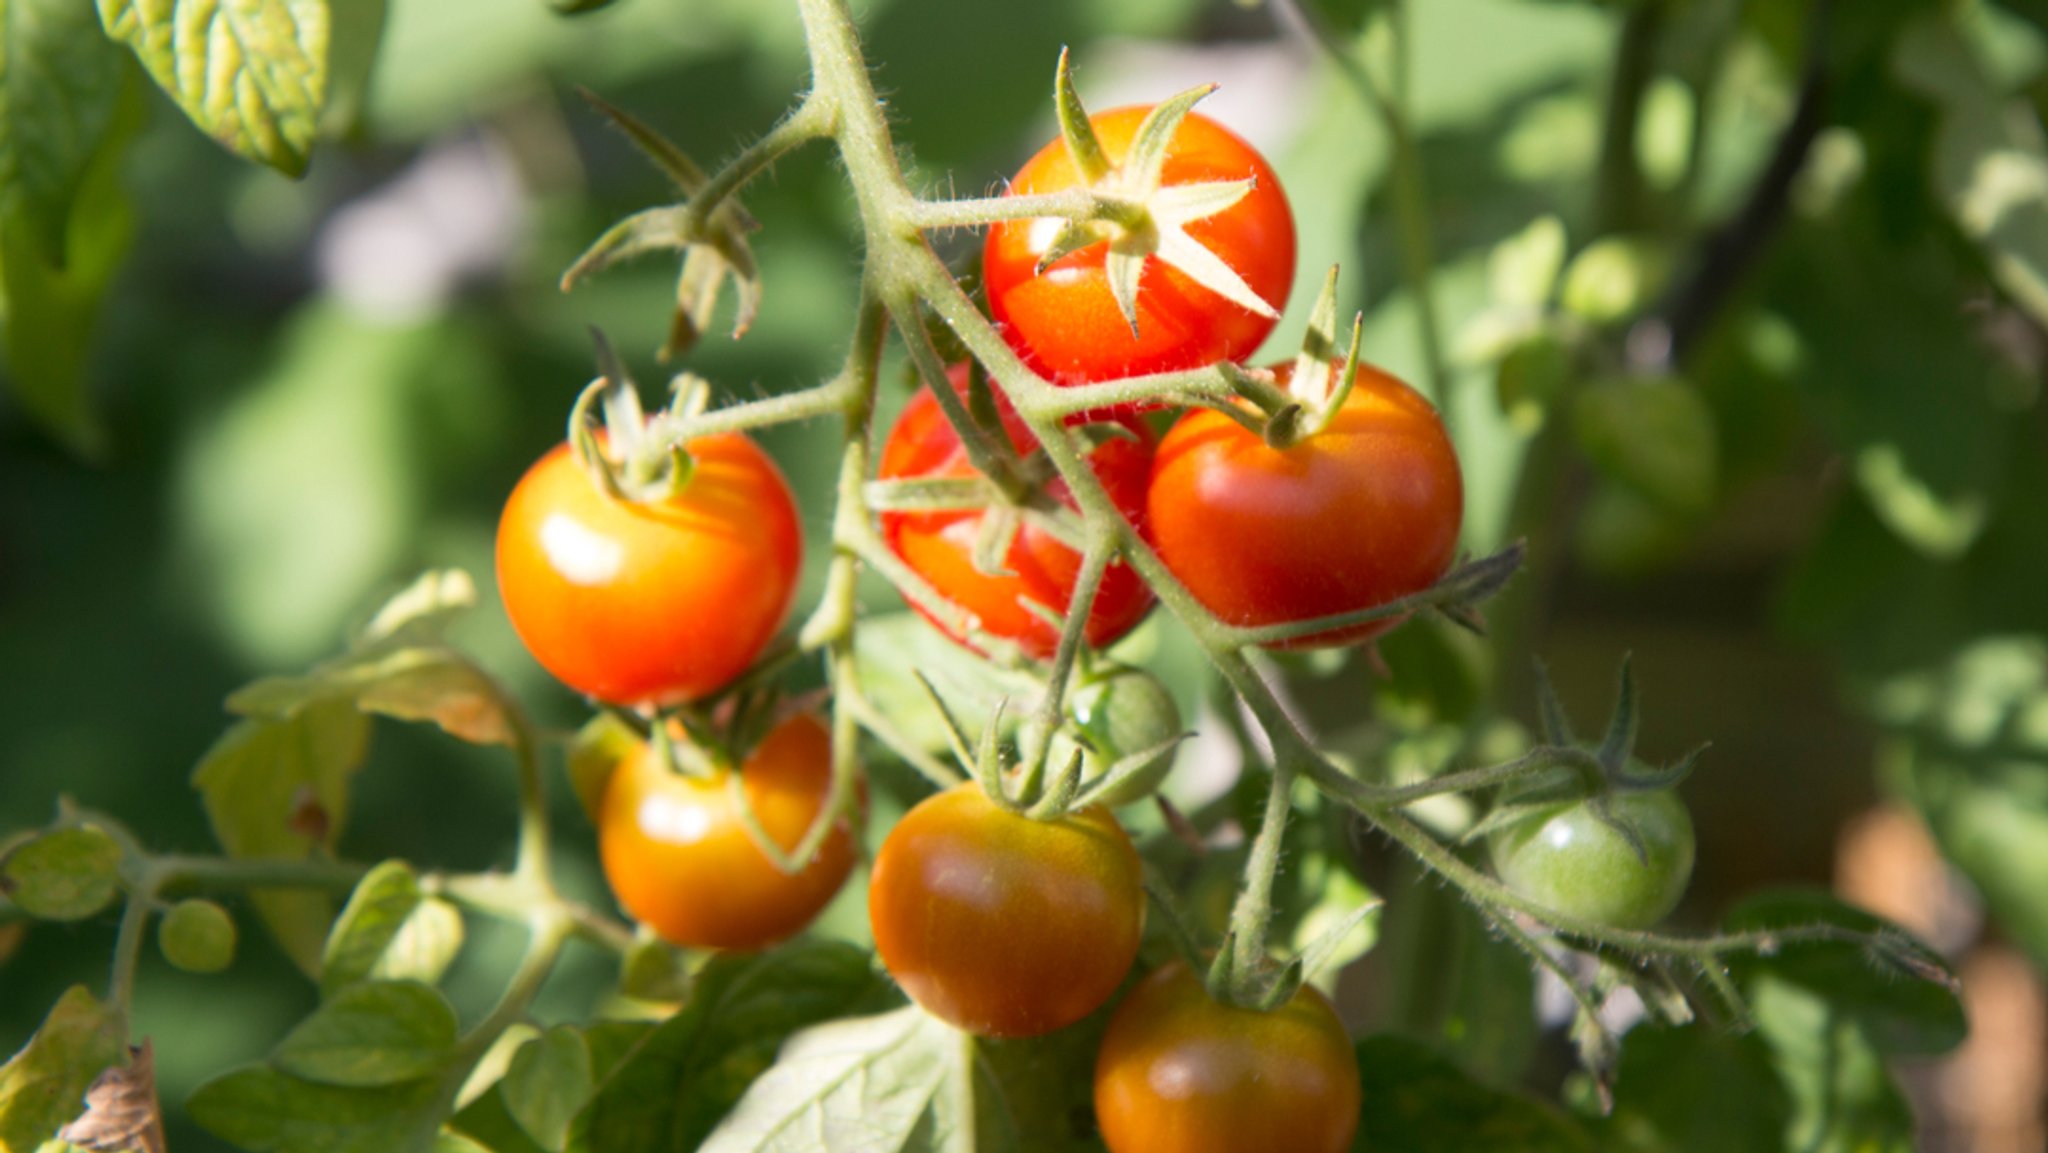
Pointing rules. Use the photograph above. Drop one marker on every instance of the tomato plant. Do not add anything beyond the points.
(1622, 859)
(1040, 569)
(1181, 1072)
(1004, 925)
(1362, 512)
(652, 601)
(680, 859)
(1124, 720)
(1064, 319)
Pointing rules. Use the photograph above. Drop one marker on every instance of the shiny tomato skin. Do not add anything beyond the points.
(661, 602)
(1042, 569)
(681, 862)
(1180, 1072)
(1003, 925)
(1065, 323)
(1365, 511)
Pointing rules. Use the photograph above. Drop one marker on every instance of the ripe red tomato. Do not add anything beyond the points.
(657, 602)
(1180, 1072)
(1003, 925)
(680, 861)
(1365, 511)
(1065, 323)
(1042, 569)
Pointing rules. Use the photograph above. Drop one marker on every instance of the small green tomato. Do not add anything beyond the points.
(1568, 860)
(1118, 714)
(197, 936)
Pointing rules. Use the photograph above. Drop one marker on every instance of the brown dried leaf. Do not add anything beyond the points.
(121, 1110)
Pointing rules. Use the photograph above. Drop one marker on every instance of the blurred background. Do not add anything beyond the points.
(1744, 302)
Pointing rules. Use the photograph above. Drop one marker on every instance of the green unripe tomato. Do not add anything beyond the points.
(1118, 714)
(1566, 859)
(197, 936)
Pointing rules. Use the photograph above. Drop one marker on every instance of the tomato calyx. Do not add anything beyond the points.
(1595, 776)
(630, 455)
(1134, 215)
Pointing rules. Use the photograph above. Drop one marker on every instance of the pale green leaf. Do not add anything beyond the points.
(252, 74)
(265, 1111)
(390, 930)
(869, 1083)
(279, 788)
(67, 875)
(549, 1082)
(371, 1033)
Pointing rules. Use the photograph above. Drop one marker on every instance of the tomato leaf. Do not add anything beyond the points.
(263, 1110)
(1655, 436)
(420, 683)
(1697, 1090)
(892, 649)
(66, 875)
(390, 930)
(60, 82)
(1843, 1097)
(41, 1086)
(279, 788)
(889, 1082)
(371, 1033)
(252, 74)
(673, 1088)
(1419, 1102)
(1896, 991)
(548, 1084)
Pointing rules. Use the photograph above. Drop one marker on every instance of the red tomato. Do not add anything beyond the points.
(650, 603)
(1180, 1072)
(1003, 925)
(1365, 511)
(1042, 569)
(1065, 323)
(680, 861)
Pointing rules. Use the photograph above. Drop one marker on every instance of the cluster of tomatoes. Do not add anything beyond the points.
(655, 581)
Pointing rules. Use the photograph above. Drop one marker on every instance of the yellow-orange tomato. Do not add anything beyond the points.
(1003, 925)
(653, 602)
(1363, 512)
(680, 861)
(1180, 1072)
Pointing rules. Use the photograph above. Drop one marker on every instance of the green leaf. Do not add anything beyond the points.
(371, 1033)
(423, 610)
(893, 649)
(1418, 1102)
(1695, 1090)
(43, 1087)
(265, 1111)
(422, 683)
(676, 1084)
(53, 301)
(67, 875)
(60, 84)
(390, 930)
(355, 32)
(490, 1120)
(252, 74)
(1843, 1099)
(1966, 740)
(1655, 436)
(1613, 279)
(548, 1084)
(894, 1082)
(1895, 989)
(279, 788)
